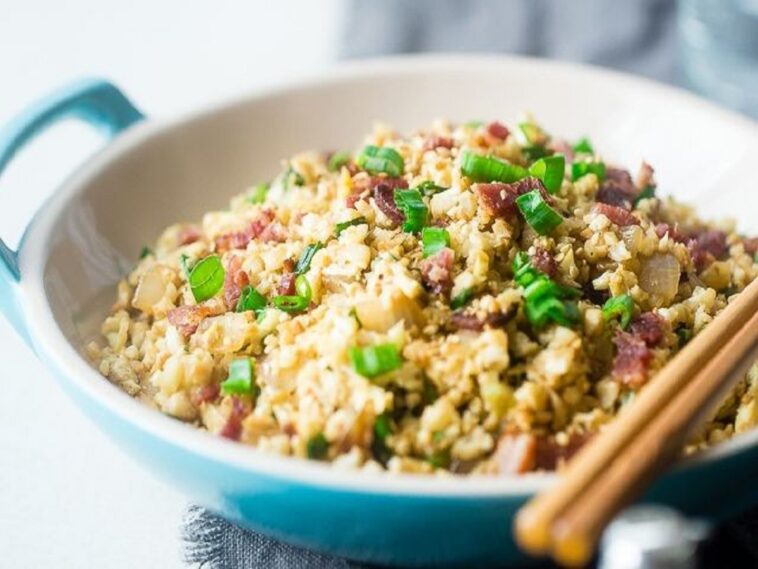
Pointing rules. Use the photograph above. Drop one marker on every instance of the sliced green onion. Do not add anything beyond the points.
(251, 300)
(545, 300)
(533, 133)
(488, 169)
(579, 169)
(533, 152)
(429, 393)
(240, 378)
(382, 429)
(550, 170)
(381, 159)
(414, 208)
(371, 361)
(292, 176)
(538, 213)
(145, 252)
(647, 192)
(622, 306)
(340, 227)
(206, 278)
(303, 288)
(544, 310)
(683, 335)
(583, 146)
(338, 160)
(291, 303)
(304, 262)
(317, 447)
(434, 239)
(258, 194)
(461, 299)
(185, 264)
(429, 188)
(440, 459)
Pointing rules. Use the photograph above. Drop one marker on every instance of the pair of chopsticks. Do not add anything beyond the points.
(647, 436)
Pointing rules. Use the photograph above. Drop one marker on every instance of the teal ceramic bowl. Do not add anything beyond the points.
(56, 288)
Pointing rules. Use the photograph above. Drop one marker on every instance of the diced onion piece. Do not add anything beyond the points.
(659, 276)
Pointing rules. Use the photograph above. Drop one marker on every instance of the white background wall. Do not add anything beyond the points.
(68, 498)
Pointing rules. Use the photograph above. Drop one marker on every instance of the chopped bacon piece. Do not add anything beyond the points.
(617, 215)
(617, 189)
(498, 130)
(649, 328)
(435, 141)
(274, 232)
(516, 453)
(437, 271)
(663, 228)
(544, 262)
(235, 280)
(465, 320)
(707, 246)
(287, 284)
(260, 223)
(644, 176)
(232, 429)
(551, 455)
(363, 187)
(500, 199)
(751, 245)
(187, 318)
(384, 196)
(234, 240)
(259, 227)
(632, 359)
(205, 394)
(188, 234)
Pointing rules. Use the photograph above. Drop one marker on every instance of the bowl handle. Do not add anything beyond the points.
(94, 101)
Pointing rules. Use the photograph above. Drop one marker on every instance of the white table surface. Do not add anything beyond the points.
(68, 497)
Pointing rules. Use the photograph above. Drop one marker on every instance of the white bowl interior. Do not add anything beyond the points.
(161, 173)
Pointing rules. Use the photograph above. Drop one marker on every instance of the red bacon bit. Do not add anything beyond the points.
(437, 271)
(363, 187)
(707, 246)
(235, 280)
(544, 262)
(257, 228)
(232, 429)
(287, 284)
(516, 453)
(204, 394)
(632, 359)
(663, 228)
(500, 199)
(645, 176)
(498, 130)
(234, 240)
(274, 232)
(188, 234)
(186, 319)
(435, 141)
(649, 328)
(617, 189)
(751, 245)
(551, 455)
(617, 215)
(464, 320)
(384, 197)
(260, 223)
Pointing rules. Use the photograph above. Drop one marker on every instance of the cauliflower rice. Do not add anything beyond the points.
(326, 323)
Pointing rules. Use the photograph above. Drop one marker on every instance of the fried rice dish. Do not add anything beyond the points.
(467, 298)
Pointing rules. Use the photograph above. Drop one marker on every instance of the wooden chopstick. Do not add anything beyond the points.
(577, 529)
(534, 522)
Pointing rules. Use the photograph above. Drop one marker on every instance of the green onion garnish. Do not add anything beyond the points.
(683, 335)
(647, 192)
(429, 188)
(579, 169)
(145, 252)
(185, 264)
(338, 160)
(371, 361)
(291, 303)
(533, 133)
(303, 288)
(538, 213)
(583, 146)
(534, 152)
(258, 194)
(440, 459)
(622, 306)
(304, 262)
(317, 447)
(206, 278)
(382, 429)
(550, 170)
(292, 176)
(414, 208)
(545, 300)
(377, 160)
(340, 227)
(240, 378)
(251, 300)
(487, 169)
(434, 239)
(461, 299)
